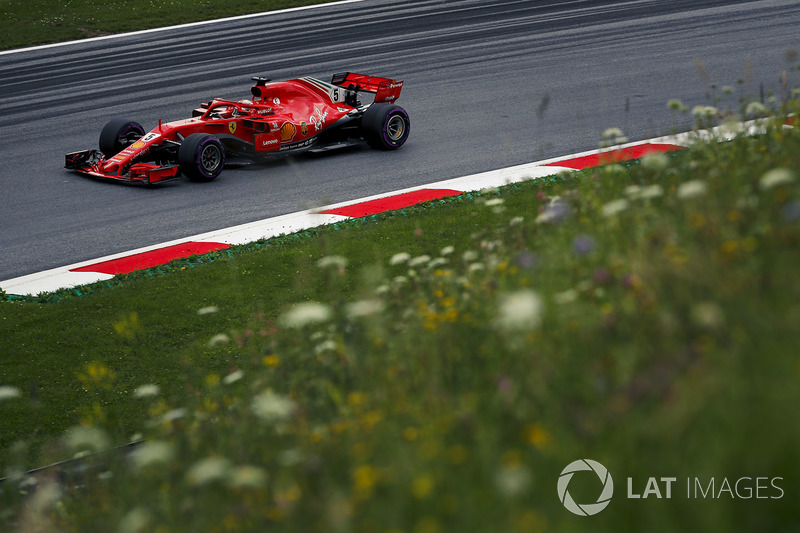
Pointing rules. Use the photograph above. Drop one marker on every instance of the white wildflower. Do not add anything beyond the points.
(756, 109)
(381, 289)
(470, 256)
(155, 453)
(146, 391)
(511, 481)
(436, 263)
(708, 315)
(304, 314)
(272, 408)
(7, 392)
(137, 520)
(776, 178)
(704, 111)
(209, 310)
(566, 297)
(516, 221)
(691, 189)
(208, 470)
(42, 504)
(325, 346)
(332, 261)
(399, 258)
(247, 477)
(86, 438)
(494, 202)
(291, 457)
(447, 250)
(419, 261)
(521, 310)
(219, 338)
(656, 161)
(233, 377)
(612, 136)
(400, 280)
(632, 191)
(615, 207)
(363, 308)
(611, 133)
(614, 170)
(556, 210)
(650, 192)
(475, 267)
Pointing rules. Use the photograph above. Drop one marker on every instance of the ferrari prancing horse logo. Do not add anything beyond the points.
(232, 127)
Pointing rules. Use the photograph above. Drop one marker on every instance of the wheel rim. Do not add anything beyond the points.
(210, 159)
(395, 128)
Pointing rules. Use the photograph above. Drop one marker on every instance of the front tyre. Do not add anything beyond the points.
(118, 134)
(201, 157)
(386, 126)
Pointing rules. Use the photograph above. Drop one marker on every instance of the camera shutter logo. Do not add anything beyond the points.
(585, 509)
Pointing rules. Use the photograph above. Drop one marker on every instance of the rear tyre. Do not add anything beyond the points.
(118, 134)
(201, 157)
(386, 126)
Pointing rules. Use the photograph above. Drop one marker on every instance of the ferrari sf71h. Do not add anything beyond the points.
(281, 117)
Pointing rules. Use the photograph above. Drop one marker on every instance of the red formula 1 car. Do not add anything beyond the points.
(282, 117)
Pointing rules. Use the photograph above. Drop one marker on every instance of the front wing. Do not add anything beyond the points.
(90, 163)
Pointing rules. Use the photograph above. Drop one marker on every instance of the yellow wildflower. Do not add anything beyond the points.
(422, 487)
(271, 360)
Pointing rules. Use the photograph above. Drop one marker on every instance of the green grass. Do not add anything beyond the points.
(644, 316)
(33, 22)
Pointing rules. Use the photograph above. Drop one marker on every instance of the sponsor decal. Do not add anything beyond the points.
(287, 132)
(232, 127)
(276, 101)
(318, 119)
(267, 141)
(304, 127)
(301, 144)
(138, 144)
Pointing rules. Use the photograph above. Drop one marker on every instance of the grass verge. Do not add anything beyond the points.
(33, 22)
(438, 371)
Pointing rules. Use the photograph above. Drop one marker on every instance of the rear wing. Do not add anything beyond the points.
(385, 89)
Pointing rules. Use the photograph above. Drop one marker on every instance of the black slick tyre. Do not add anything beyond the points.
(201, 157)
(386, 126)
(118, 134)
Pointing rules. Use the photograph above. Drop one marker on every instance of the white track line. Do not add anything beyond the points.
(179, 26)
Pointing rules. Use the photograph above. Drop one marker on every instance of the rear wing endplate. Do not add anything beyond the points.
(385, 89)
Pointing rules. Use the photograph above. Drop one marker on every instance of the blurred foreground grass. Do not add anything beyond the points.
(33, 22)
(436, 372)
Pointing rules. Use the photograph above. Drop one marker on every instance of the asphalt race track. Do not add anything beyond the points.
(488, 85)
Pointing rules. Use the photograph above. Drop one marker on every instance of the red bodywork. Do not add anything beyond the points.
(280, 117)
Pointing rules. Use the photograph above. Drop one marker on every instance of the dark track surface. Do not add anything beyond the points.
(488, 85)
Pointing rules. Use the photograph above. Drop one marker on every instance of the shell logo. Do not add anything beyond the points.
(287, 132)
(137, 145)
